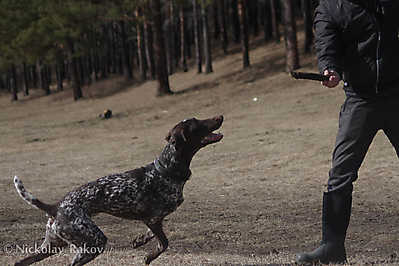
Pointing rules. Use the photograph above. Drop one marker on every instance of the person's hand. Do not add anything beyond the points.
(334, 78)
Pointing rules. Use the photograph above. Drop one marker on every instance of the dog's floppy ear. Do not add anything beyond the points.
(183, 134)
(167, 138)
(176, 133)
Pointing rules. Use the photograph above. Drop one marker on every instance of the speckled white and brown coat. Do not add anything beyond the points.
(148, 194)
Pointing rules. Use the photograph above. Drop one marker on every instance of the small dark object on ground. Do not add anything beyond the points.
(107, 114)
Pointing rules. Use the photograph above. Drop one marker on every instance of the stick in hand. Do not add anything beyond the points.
(310, 76)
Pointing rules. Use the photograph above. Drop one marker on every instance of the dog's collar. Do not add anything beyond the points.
(176, 172)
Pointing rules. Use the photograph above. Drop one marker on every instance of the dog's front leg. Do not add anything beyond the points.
(156, 228)
(143, 239)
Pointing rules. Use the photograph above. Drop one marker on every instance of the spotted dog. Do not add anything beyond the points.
(148, 194)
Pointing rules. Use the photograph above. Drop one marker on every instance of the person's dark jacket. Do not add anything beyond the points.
(359, 40)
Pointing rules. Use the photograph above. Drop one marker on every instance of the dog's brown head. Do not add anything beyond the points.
(191, 135)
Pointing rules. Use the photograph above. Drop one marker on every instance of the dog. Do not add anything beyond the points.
(148, 194)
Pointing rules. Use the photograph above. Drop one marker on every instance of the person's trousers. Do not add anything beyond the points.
(359, 121)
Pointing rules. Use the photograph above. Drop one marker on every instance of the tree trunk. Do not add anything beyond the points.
(119, 50)
(197, 38)
(43, 77)
(222, 9)
(242, 11)
(207, 39)
(307, 10)
(113, 58)
(67, 71)
(127, 67)
(183, 44)
(140, 47)
(82, 70)
(39, 74)
(292, 57)
(267, 20)
(106, 58)
(58, 73)
(170, 39)
(159, 49)
(149, 46)
(2, 85)
(44, 80)
(76, 85)
(13, 83)
(105, 66)
(273, 10)
(34, 76)
(96, 65)
(216, 24)
(236, 21)
(189, 36)
(49, 76)
(26, 81)
(8, 81)
(89, 67)
(252, 11)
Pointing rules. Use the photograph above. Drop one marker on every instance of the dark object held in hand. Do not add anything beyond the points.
(310, 76)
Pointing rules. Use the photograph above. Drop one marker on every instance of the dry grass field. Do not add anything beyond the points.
(253, 199)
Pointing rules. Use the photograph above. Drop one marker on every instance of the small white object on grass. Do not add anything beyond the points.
(255, 99)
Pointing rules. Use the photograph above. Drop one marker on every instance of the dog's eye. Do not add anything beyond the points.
(186, 120)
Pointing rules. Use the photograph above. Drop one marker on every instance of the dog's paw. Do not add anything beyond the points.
(147, 260)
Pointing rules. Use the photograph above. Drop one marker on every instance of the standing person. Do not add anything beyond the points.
(356, 40)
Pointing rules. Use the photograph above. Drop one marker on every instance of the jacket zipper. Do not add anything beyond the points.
(378, 58)
(378, 61)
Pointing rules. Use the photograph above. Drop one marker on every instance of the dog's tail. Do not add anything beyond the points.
(32, 200)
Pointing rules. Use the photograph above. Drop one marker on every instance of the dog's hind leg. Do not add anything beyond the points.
(143, 239)
(156, 228)
(77, 228)
(51, 245)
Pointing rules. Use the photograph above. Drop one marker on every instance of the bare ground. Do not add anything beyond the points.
(253, 199)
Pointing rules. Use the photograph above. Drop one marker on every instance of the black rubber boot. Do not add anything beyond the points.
(335, 220)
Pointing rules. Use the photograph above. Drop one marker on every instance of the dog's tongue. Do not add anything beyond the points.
(213, 137)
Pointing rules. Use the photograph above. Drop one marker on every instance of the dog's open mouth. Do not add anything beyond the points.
(211, 138)
(212, 124)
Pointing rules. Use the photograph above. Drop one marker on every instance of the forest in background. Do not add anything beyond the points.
(55, 45)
